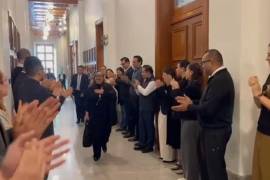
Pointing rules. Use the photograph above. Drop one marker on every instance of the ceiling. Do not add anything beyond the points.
(50, 15)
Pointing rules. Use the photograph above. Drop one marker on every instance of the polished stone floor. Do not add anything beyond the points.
(120, 163)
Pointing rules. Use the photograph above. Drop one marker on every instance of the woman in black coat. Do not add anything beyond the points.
(98, 106)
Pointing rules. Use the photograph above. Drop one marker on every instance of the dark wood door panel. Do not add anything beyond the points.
(198, 48)
(180, 43)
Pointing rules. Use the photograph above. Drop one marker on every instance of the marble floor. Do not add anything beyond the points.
(120, 163)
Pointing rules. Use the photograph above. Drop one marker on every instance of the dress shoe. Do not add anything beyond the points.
(176, 168)
(147, 150)
(164, 161)
(128, 136)
(132, 139)
(179, 172)
(96, 157)
(119, 130)
(104, 148)
(138, 148)
(125, 132)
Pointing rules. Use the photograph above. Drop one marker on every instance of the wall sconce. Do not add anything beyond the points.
(105, 40)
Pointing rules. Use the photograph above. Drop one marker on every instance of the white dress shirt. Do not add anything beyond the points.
(151, 87)
(79, 77)
(217, 70)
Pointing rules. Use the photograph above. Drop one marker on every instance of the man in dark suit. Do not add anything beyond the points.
(50, 75)
(22, 54)
(215, 113)
(125, 63)
(30, 88)
(62, 79)
(79, 83)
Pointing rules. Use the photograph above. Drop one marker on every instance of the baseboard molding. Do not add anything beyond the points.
(233, 176)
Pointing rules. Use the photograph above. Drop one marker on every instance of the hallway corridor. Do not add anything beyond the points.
(120, 163)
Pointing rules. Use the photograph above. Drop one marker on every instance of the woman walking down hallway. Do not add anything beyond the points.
(99, 100)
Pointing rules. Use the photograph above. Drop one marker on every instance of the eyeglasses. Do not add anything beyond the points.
(206, 61)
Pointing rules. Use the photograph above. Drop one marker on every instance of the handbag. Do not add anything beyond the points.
(88, 135)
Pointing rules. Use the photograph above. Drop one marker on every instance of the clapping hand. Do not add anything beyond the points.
(174, 84)
(136, 84)
(99, 91)
(35, 117)
(27, 158)
(159, 83)
(184, 103)
(255, 86)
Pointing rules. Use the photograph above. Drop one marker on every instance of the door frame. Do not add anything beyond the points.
(100, 43)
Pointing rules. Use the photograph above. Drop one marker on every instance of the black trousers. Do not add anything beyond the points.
(147, 129)
(133, 113)
(212, 148)
(97, 149)
(79, 101)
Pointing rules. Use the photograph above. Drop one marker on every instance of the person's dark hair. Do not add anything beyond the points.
(215, 55)
(197, 72)
(183, 63)
(23, 53)
(170, 71)
(148, 68)
(125, 59)
(120, 69)
(32, 66)
(139, 59)
(107, 72)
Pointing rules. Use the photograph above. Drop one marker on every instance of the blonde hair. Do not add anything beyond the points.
(2, 106)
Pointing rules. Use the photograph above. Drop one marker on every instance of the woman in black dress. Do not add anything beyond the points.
(99, 103)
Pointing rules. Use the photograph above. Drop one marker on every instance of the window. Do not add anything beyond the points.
(181, 3)
(45, 52)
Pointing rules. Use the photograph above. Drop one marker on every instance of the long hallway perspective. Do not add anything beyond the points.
(121, 162)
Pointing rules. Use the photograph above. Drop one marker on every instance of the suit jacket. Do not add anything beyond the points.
(30, 90)
(215, 109)
(129, 73)
(84, 82)
(64, 77)
(15, 73)
(51, 76)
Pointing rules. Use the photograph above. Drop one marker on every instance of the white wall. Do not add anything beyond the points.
(129, 24)
(82, 24)
(242, 35)
(110, 29)
(18, 9)
(135, 28)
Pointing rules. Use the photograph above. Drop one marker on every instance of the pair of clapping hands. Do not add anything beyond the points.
(28, 157)
(56, 88)
(173, 83)
(255, 85)
(184, 101)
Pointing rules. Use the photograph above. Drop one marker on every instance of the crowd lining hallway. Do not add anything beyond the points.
(121, 162)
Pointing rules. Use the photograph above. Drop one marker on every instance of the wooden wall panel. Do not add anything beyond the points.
(181, 33)
(163, 54)
(197, 41)
(180, 43)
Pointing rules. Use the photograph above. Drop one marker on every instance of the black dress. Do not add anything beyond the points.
(174, 121)
(100, 112)
(166, 99)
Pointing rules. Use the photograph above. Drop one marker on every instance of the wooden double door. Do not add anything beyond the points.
(182, 32)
